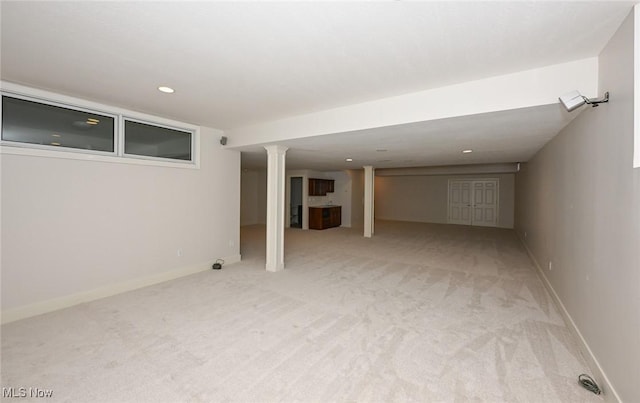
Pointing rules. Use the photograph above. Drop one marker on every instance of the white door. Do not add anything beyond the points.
(485, 203)
(473, 202)
(460, 202)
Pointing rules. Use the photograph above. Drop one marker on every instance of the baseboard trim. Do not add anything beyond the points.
(54, 304)
(608, 392)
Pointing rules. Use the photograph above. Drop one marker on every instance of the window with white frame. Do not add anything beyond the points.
(35, 123)
(149, 140)
(42, 124)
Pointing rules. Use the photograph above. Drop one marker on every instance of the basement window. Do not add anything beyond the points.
(150, 140)
(50, 126)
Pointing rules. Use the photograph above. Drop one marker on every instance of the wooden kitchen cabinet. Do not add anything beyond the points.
(323, 217)
(330, 185)
(320, 187)
(315, 187)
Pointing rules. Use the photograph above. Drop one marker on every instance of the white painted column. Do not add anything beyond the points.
(368, 201)
(275, 207)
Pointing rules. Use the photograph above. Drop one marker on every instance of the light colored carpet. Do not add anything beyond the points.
(421, 312)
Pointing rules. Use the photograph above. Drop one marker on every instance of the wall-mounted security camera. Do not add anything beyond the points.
(573, 100)
(223, 140)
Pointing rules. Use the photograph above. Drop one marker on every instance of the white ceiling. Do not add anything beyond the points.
(239, 63)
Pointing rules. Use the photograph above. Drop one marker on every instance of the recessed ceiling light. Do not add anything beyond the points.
(55, 144)
(55, 135)
(81, 124)
(349, 159)
(168, 90)
(467, 151)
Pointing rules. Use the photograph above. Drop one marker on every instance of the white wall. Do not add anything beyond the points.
(636, 144)
(253, 197)
(578, 203)
(342, 195)
(74, 230)
(357, 197)
(425, 198)
(248, 201)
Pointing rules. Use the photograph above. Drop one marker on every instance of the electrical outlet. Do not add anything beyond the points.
(179, 253)
(550, 265)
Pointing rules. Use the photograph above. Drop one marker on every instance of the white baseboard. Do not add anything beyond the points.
(39, 308)
(608, 392)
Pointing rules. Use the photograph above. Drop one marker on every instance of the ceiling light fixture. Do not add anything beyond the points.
(573, 100)
(349, 160)
(467, 151)
(81, 124)
(55, 135)
(55, 144)
(167, 90)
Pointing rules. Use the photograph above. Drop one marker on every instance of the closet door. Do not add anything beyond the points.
(485, 203)
(460, 202)
(473, 202)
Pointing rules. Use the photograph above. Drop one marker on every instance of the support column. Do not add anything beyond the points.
(275, 207)
(368, 201)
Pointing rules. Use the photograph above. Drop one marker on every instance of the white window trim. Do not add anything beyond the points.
(121, 150)
(119, 114)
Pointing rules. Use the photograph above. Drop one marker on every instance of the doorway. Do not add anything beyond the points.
(295, 203)
(473, 202)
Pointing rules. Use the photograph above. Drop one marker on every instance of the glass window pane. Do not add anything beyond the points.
(156, 141)
(35, 123)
